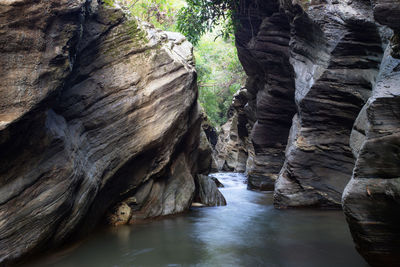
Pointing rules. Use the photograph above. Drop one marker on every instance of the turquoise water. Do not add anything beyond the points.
(246, 232)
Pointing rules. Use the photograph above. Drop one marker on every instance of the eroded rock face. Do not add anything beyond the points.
(320, 61)
(263, 48)
(330, 53)
(170, 195)
(96, 109)
(371, 200)
(336, 51)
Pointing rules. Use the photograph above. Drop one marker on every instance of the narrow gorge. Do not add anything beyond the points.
(100, 125)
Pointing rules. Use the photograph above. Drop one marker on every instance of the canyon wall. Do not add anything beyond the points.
(311, 69)
(371, 200)
(323, 95)
(262, 41)
(99, 121)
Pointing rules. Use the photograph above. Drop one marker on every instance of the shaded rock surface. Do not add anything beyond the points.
(98, 113)
(207, 192)
(263, 49)
(169, 195)
(318, 74)
(317, 61)
(336, 64)
(371, 200)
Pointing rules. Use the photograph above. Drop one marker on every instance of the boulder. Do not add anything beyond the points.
(207, 192)
(95, 107)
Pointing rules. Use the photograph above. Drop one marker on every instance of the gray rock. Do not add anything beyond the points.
(207, 192)
(263, 48)
(93, 106)
(231, 149)
(169, 194)
(335, 52)
(217, 182)
(371, 200)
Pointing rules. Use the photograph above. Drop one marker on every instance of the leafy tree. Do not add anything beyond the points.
(220, 75)
(161, 13)
(201, 16)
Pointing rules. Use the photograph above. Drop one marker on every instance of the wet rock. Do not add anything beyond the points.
(93, 106)
(169, 194)
(207, 192)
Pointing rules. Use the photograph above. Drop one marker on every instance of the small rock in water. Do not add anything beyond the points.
(120, 216)
(197, 204)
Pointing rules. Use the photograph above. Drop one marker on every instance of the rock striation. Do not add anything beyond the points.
(263, 48)
(336, 65)
(371, 200)
(98, 121)
(311, 69)
(323, 92)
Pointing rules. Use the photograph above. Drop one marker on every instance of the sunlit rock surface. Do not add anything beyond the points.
(98, 112)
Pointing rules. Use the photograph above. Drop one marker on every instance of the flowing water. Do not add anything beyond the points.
(247, 232)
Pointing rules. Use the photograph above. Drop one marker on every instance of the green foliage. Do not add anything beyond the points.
(160, 13)
(108, 2)
(201, 16)
(220, 75)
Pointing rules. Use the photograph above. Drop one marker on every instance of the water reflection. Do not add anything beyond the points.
(246, 232)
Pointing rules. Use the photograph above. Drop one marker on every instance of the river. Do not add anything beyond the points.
(247, 232)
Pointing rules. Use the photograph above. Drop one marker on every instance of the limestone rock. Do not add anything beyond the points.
(93, 106)
(205, 157)
(217, 182)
